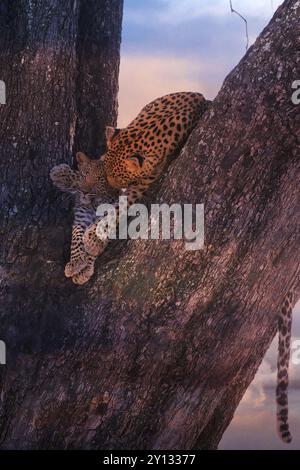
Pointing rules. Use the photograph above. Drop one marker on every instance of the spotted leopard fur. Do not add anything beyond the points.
(135, 158)
(137, 155)
(284, 333)
(90, 188)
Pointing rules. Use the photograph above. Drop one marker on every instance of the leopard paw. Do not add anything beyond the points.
(74, 267)
(63, 177)
(92, 243)
(84, 276)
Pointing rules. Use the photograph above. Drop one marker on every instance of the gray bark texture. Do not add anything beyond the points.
(157, 350)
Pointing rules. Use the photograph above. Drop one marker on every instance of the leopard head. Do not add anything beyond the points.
(128, 157)
(92, 174)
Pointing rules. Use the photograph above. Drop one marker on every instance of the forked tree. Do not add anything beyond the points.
(157, 350)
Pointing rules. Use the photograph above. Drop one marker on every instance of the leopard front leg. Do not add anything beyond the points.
(84, 216)
(96, 238)
(94, 245)
(78, 258)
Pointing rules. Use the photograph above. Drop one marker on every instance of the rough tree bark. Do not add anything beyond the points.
(158, 349)
(60, 61)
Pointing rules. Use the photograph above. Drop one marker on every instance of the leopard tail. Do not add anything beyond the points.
(284, 330)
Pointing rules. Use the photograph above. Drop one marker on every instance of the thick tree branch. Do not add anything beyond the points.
(158, 349)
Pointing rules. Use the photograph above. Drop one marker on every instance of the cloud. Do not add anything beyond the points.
(254, 422)
(176, 11)
(256, 429)
(144, 78)
(217, 8)
(196, 55)
(297, 308)
(198, 37)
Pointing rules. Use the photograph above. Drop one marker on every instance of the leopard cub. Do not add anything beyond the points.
(89, 187)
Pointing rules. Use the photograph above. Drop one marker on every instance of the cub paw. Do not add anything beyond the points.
(63, 177)
(92, 243)
(84, 276)
(74, 267)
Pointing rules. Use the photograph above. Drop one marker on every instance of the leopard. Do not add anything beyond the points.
(89, 187)
(138, 154)
(136, 157)
(284, 345)
(158, 131)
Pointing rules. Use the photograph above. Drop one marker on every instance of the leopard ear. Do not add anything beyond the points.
(81, 158)
(102, 158)
(110, 133)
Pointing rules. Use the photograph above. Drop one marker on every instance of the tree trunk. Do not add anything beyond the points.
(158, 349)
(60, 62)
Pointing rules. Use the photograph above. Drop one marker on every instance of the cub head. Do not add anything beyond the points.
(91, 172)
(127, 159)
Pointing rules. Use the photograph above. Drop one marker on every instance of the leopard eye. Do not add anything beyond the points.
(137, 158)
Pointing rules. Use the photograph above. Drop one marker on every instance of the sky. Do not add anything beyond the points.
(191, 45)
(176, 45)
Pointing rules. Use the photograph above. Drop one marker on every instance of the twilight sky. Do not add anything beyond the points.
(191, 45)
(176, 45)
